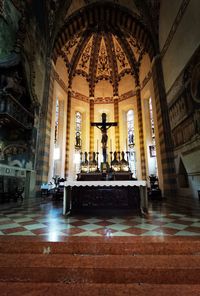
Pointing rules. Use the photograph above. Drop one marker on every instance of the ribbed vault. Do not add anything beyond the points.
(102, 56)
(103, 42)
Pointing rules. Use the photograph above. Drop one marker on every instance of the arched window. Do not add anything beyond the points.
(78, 130)
(152, 121)
(131, 141)
(56, 122)
(56, 151)
(130, 126)
(152, 147)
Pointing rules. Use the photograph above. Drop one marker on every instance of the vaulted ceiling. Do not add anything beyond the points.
(102, 55)
(104, 41)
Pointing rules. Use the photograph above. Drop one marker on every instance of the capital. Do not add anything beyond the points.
(138, 88)
(155, 59)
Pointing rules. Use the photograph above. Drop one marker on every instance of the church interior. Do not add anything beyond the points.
(99, 147)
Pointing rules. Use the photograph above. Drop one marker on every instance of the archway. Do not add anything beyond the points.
(97, 24)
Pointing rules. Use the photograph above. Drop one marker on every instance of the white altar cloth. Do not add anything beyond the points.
(70, 184)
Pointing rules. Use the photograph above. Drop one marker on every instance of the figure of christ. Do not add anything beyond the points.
(104, 126)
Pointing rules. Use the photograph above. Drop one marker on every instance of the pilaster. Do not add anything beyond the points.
(116, 116)
(91, 127)
(164, 130)
(69, 101)
(141, 133)
(44, 137)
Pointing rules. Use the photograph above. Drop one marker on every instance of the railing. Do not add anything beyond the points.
(11, 109)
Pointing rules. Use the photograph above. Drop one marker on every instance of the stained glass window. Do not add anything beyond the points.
(131, 142)
(56, 121)
(152, 121)
(78, 129)
(152, 148)
(130, 125)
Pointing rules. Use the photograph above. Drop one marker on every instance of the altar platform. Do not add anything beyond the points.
(78, 194)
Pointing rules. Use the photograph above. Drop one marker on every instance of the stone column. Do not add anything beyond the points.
(116, 117)
(164, 130)
(67, 152)
(91, 127)
(44, 136)
(141, 134)
(61, 136)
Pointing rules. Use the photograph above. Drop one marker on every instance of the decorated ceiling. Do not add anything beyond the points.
(102, 56)
(105, 41)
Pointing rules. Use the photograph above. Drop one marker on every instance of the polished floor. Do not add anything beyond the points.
(43, 217)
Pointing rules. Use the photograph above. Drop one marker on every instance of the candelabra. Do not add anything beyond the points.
(118, 156)
(127, 156)
(90, 156)
(111, 160)
(81, 156)
(97, 161)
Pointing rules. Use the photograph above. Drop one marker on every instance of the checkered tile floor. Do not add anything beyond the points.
(44, 218)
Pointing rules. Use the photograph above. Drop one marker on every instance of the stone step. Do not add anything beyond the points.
(64, 268)
(60, 289)
(100, 266)
(114, 246)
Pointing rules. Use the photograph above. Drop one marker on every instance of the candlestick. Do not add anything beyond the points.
(81, 155)
(128, 153)
(97, 161)
(127, 156)
(119, 155)
(111, 160)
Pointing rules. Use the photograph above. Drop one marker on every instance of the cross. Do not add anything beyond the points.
(104, 126)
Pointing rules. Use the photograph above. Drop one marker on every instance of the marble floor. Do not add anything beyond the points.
(43, 217)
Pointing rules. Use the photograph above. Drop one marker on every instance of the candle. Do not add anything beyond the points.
(110, 144)
(126, 145)
(97, 144)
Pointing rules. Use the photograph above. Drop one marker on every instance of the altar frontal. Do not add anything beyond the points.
(78, 194)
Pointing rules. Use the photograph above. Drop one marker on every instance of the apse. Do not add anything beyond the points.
(103, 65)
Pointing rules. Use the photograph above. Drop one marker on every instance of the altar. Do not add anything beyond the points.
(136, 193)
(104, 180)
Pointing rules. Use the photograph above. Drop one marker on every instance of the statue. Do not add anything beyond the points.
(78, 140)
(104, 138)
(104, 126)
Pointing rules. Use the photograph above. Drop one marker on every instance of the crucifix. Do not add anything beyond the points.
(104, 126)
